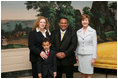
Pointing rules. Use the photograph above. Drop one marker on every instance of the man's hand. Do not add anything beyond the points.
(61, 55)
(43, 55)
(58, 55)
(55, 74)
(40, 75)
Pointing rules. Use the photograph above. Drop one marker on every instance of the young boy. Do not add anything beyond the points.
(47, 67)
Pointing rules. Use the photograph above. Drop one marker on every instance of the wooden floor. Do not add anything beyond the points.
(96, 75)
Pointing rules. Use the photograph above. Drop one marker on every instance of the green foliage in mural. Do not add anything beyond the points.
(53, 10)
(103, 19)
(86, 10)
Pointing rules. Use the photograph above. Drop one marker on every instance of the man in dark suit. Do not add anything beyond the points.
(47, 67)
(64, 42)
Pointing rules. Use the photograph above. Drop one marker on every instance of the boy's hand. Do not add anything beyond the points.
(40, 75)
(55, 74)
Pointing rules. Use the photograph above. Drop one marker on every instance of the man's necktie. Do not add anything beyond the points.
(47, 53)
(62, 35)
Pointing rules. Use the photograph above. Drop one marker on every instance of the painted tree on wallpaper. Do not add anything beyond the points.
(103, 19)
(53, 10)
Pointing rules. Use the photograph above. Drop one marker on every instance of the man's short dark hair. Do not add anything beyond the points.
(63, 18)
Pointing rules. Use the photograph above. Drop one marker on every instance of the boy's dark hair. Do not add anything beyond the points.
(46, 40)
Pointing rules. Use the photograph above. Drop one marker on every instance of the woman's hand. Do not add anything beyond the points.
(93, 61)
(76, 59)
(43, 55)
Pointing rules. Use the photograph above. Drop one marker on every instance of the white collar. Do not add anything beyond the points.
(48, 50)
(62, 31)
(37, 30)
(88, 28)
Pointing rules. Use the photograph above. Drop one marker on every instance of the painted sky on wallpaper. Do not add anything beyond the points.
(16, 10)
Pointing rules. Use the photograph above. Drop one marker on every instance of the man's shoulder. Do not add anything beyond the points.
(55, 31)
(71, 31)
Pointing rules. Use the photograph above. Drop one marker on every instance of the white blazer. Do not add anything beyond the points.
(87, 43)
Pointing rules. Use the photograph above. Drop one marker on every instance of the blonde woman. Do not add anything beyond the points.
(39, 31)
(87, 47)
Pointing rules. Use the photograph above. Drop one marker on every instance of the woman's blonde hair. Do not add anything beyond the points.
(85, 16)
(36, 23)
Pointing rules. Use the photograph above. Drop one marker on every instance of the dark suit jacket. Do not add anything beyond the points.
(47, 66)
(35, 44)
(67, 45)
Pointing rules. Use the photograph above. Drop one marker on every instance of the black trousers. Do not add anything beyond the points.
(34, 70)
(68, 70)
(47, 76)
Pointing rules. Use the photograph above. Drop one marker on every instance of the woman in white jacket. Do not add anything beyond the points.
(87, 47)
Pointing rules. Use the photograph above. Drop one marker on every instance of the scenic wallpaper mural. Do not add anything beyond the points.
(17, 18)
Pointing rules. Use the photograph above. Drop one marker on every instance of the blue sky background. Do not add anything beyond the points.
(16, 10)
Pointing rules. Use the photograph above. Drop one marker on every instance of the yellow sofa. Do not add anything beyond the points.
(107, 55)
